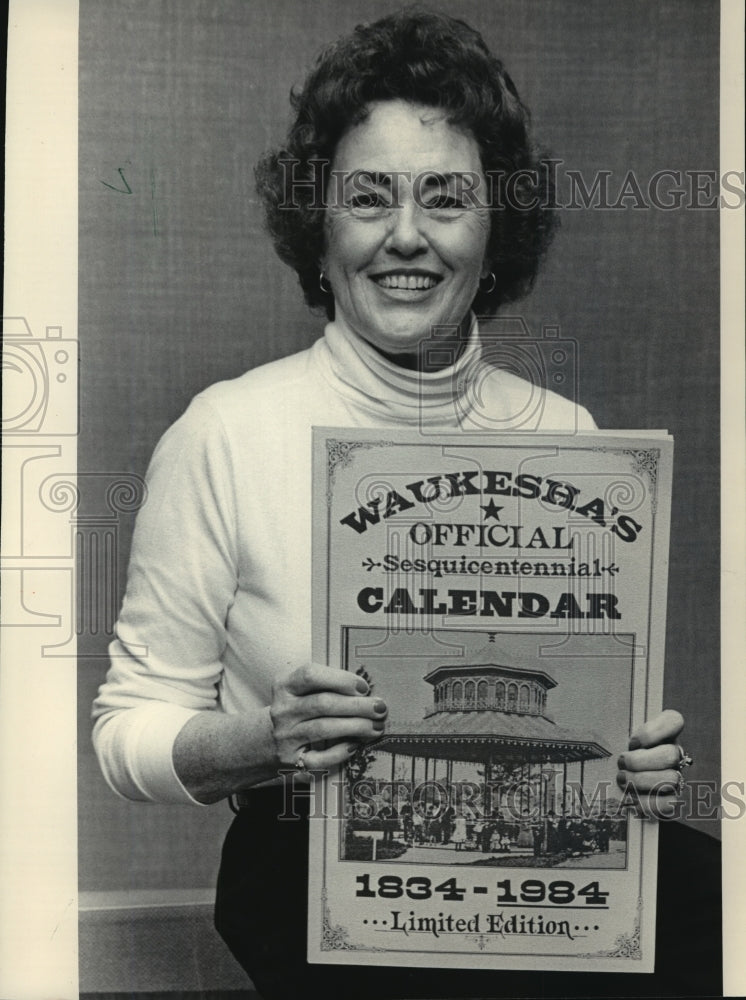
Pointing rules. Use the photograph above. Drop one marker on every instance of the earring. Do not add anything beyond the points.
(493, 283)
(322, 279)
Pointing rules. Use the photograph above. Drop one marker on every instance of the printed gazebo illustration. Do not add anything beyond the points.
(492, 714)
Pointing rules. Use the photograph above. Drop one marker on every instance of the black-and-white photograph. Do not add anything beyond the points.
(502, 760)
(268, 213)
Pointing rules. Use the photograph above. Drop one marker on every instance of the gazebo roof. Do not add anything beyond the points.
(498, 654)
(472, 669)
(505, 737)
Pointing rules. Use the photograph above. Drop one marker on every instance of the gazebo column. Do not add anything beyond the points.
(524, 787)
(412, 772)
(564, 787)
(582, 779)
(393, 768)
(542, 791)
(487, 794)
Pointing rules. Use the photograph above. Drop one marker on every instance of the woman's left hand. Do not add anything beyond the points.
(651, 764)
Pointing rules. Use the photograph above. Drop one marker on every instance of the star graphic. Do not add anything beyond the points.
(491, 510)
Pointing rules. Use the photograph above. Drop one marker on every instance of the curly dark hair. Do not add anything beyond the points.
(430, 59)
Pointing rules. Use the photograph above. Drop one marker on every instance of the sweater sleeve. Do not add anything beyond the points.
(171, 633)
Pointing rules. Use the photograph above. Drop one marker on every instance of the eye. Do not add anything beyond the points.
(367, 201)
(443, 200)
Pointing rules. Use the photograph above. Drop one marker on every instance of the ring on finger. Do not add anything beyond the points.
(684, 759)
(300, 760)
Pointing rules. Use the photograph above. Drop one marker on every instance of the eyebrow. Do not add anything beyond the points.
(436, 179)
(382, 178)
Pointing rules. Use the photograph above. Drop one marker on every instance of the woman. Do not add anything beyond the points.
(459, 832)
(391, 203)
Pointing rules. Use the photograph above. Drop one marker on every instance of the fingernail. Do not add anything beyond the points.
(621, 780)
(352, 748)
(379, 725)
(634, 743)
(379, 707)
(362, 686)
(620, 762)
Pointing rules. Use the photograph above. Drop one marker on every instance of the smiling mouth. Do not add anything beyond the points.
(409, 282)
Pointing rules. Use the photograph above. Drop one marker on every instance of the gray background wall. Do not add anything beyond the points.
(179, 287)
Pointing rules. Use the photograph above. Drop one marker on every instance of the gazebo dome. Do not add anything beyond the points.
(486, 682)
(489, 710)
(489, 687)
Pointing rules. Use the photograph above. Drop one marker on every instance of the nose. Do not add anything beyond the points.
(405, 236)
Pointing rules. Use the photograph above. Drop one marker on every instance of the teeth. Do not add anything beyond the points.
(409, 281)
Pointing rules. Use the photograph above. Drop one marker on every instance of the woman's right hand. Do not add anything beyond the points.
(324, 714)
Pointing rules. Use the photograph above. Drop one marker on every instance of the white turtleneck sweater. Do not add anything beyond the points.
(218, 600)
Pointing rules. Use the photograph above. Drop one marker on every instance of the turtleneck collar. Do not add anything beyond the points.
(394, 394)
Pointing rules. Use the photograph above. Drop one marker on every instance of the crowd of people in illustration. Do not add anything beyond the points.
(499, 832)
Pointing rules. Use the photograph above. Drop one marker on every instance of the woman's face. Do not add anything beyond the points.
(405, 242)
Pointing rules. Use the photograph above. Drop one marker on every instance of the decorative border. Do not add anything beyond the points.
(645, 462)
(626, 945)
(642, 462)
(339, 454)
(335, 937)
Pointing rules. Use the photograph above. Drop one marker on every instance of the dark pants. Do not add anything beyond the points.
(261, 913)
